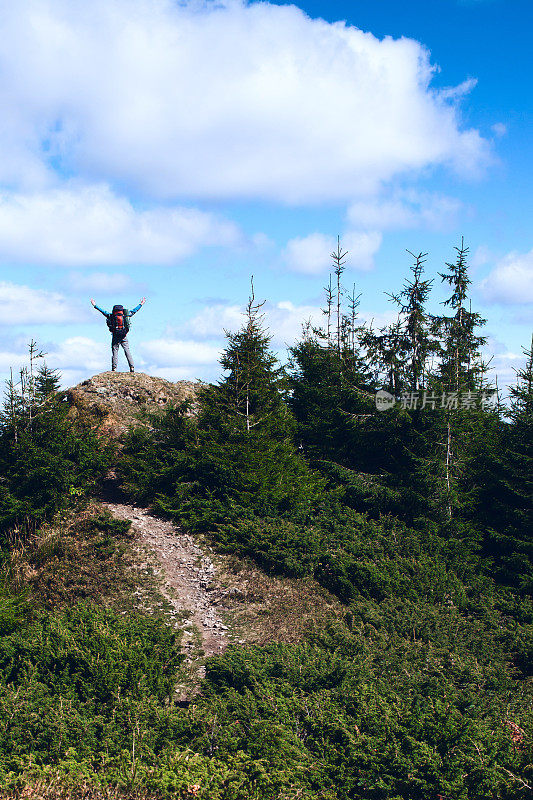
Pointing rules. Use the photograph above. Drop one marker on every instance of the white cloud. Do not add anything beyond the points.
(309, 254)
(80, 353)
(76, 358)
(190, 373)
(312, 254)
(457, 92)
(283, 321)
(99, 282)
(505, 365)
(499, 129)
(511, 281)
(362, 246)
(481, 256)
(22, 305)
(176, 353)
(218, 100)
(213, 320)
(405, 209)
(12, 360)
(90, 225)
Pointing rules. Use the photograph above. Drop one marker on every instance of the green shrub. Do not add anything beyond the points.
(48, 467)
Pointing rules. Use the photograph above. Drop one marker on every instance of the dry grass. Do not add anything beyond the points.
(74, 559)
(58, 790)
(264, 608)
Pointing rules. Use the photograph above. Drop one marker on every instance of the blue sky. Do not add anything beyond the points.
(150, 147)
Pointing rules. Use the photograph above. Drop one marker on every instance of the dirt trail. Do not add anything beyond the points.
(201, 593)
(186, 574)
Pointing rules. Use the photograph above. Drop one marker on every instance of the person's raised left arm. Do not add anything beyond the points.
(134, 310)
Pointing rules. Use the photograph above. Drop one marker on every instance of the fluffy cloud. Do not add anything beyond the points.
(511, 281)
(505, 365)
(80, 353)
(361, 247)
(214, 319)
(499, 129)
(79, 357)
(92, 226)
(312, 254)
(217, 100)
(11, 359)
(405, 209)
(190, 373)
(76, 358)
(22, 305)
(99, 282)
(282, 320)
(177, 353)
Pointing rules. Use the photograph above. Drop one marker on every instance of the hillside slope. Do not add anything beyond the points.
(416, 686)
(216, 600)
(112, 401)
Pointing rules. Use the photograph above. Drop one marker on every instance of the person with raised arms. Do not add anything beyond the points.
(119, 323)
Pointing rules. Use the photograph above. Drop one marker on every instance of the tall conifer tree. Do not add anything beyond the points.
(247, 455)
(331, 384)
(461, 425)
(506, 501)
(415, 340)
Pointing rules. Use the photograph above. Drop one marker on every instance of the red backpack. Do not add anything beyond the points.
(118, 320)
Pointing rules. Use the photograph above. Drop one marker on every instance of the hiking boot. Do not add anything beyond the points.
(132, 369)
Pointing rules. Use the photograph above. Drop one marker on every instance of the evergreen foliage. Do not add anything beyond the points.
(460, 370)
(47, 462)
(408, 699)
(332, 399)
(238, 459)
(47, 383)
(415, 342)
(423, 690)
(506, 496)
(46, 469)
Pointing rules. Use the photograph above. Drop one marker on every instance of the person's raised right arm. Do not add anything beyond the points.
(101, 310)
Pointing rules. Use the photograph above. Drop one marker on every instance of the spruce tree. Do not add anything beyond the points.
(329, 378)
(461, 424)
(403, 351)
(245, 458)
(387, 350)
(339, 265)
(333, 399)
(506, 501)
(461, 367)
(47, 383)
(46, 460)
(250, 397)
(415, 340)
(519, 454)
(11, 417)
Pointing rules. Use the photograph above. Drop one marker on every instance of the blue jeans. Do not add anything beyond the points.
(115, 342)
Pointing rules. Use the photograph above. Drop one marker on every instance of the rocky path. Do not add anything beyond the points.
(186, 575)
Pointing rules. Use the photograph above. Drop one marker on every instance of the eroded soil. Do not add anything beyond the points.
(218, 599)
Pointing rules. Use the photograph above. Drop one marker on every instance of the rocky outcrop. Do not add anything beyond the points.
(113, 401)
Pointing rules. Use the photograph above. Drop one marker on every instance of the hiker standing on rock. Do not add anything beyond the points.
(118, 322)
